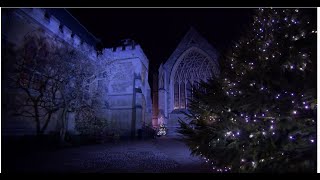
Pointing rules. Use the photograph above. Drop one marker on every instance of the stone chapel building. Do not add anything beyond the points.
(193, 60)
(118, 88)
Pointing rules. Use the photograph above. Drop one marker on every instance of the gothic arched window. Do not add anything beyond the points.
(194, 67)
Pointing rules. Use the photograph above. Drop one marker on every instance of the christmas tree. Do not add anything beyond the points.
(259, 115)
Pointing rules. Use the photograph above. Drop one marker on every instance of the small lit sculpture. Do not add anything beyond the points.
(162, 130)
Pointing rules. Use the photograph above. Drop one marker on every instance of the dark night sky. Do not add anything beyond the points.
(159, 31)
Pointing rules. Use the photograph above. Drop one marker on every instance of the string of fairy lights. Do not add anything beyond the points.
(264, 26)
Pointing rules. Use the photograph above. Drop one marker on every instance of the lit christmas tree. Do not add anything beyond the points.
(260, 114)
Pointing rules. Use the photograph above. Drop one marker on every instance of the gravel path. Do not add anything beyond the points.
(161, 155)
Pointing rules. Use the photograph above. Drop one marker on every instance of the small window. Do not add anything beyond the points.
(176, 95)
(61, 28)
(104, 74)
(182, 96)
(189, 93)
(100, 85)
(47, 16)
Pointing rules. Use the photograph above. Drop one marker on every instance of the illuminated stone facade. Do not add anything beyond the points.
(193, 60)
(118, 88)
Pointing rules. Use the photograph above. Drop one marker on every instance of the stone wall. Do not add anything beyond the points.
(128, 97)
(118, 88)
(165, 96)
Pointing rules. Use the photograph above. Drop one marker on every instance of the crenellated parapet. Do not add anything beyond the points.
(125, 52)
(61, 30)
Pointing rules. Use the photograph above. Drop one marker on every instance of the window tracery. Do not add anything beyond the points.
(194, 67)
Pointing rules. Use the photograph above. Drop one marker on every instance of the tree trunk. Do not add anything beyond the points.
(46, 123)
(63, 129)
(36, 114)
